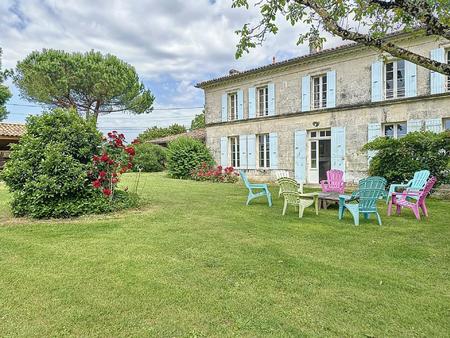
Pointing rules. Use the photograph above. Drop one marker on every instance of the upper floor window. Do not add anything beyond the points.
(319, 87)
(395, 79)
(264, 150)
(395, 130)
(262, 101)
(234, 151)
(233, 106)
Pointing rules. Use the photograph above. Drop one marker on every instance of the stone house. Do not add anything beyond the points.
(315, 112)
(10, 133)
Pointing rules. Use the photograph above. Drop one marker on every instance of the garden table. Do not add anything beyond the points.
(328, 198)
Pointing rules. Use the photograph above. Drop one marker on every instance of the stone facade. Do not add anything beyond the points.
(353, 110)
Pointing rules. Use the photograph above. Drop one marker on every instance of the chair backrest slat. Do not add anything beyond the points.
(335, 178)
(419, 180)
(428, 186)
(289, 185)
(369, 191)
(245, 179)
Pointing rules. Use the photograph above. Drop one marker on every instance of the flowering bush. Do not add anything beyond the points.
(116, 158)
(215, 174)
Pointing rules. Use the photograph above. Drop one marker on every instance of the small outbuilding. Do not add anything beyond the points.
(197, 134)
(9, 133)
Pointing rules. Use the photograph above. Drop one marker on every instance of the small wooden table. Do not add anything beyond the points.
(328, 198)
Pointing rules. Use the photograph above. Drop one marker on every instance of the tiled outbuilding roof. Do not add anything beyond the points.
(12, 129)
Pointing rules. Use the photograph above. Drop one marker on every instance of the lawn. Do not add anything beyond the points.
(194, 261)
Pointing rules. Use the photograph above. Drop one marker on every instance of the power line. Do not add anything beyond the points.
(157, 109)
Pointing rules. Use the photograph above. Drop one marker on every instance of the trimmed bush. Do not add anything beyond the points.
(398, 159)
(149, 157)
(47, 171)
(185, 155)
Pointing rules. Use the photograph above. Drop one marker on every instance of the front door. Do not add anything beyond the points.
(319, 155)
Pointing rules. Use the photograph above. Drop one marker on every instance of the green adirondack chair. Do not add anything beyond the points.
(369, 191)
(256, 190)
(415, 185)
(293, 194)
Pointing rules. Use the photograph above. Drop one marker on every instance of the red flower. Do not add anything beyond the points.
(118, 142)
(104, 157)
(96, 184)
(111, 162)
(95, 158)
(130, 150)
(106, 192)
(114, 180)
(102, 174)
(130, 165)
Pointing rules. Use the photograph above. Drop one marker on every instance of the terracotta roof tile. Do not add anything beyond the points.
(12, 129)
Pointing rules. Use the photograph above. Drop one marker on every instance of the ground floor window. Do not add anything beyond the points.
(264, 150)
(234, 151)
(447, 124)
(395, 130)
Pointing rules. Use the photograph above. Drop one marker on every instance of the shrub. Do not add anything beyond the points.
(47, 171)
(215, 174)
(398, 159)
(184, 155)
(149, 157)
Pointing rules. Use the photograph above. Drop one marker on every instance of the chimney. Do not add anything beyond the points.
(233, 72)
(315, 46)
(274, 60)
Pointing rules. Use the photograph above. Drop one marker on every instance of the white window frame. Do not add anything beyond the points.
(395, 127)
(263, 151)
(322, 91)
(447, 56)
(444, 122)
(262, 108)
(233, 106)
(235, 160)
(395, 90)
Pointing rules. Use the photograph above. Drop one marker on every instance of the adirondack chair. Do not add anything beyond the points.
(334, 182)
(288, 183)
(404, 200)
(293, 195)
(415, 185)
(369, 191)
(281, 174)
(253, 189)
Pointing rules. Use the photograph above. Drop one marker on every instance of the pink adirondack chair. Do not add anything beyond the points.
(334, 182)
(400, 199)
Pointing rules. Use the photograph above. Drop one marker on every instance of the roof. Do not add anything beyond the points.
(198, 134)
(12, 129)
(303, 58)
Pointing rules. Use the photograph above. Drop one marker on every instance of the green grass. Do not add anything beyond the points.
(195, 261)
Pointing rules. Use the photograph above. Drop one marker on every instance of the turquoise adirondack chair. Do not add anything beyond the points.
(253, 189)
(369, 191)
(415, 185)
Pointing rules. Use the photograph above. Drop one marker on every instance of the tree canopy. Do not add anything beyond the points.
(157, 132)
(91, 82)
(368, 22)
(198, 122)
(5, 94)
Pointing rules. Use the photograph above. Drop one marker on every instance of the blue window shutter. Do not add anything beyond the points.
(434, 125)
(413, 125)
(273, 144)
(252, 103)
(300, 155)
(243, 151)
(338, 148)
(373, 131)
(410, 79)
(224, 107)
(224, 151)
(437, 79)
(377, 81)
(240, 106)
(331, 89)
(271, 94)
(251, 151)
(306, 96)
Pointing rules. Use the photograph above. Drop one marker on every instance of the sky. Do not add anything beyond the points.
(173, 44)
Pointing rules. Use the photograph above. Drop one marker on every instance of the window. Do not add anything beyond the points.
(262, 101)
(448, 77)
(233, 106)
(395, 79)
(447, 124)
(395, 130)
(234, 145)
(319, 84)
(314, 154)
(264, 150)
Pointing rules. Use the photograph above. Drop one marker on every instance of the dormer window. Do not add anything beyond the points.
(394, 79)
